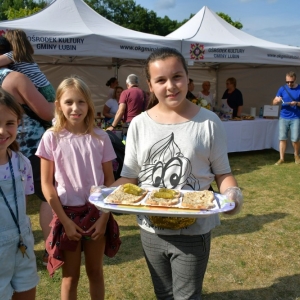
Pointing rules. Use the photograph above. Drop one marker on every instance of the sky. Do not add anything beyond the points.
(276, 21)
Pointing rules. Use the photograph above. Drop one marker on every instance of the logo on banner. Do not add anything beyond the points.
(2, 32)
(197, 51)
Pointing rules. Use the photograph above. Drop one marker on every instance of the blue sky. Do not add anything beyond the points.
(272, 20)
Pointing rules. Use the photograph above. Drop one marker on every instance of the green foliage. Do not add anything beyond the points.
(12, 13)
(236, 24)
(11, 9)
(129, 15)
(122, 12)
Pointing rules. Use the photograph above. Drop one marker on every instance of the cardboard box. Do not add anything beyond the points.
(271, 111)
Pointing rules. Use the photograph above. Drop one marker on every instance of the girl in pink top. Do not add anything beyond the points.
(78, 155)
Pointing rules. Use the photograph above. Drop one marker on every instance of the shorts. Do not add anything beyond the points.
(286, 125)
(36, 171)
(17, 273)
(48, 92)
(3, 73)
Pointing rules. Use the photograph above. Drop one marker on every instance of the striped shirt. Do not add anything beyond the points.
(31, 70)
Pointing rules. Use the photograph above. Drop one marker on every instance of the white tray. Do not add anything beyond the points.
(98, 200)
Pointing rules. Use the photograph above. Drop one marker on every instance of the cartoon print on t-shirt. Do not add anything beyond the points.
(167, 167)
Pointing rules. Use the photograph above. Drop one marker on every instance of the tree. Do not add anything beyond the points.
(236, 24)
(12, 9)
(127, 14)
(122, 12)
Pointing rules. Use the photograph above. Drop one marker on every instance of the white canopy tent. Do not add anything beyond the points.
(208, 38)
(216, 50)
(71, 38)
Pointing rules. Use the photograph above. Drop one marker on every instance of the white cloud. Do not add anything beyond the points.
(164, 4)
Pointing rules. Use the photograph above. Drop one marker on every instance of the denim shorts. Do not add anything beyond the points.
(286, 125)
(3, 73)
(17, 273)
(48, 92)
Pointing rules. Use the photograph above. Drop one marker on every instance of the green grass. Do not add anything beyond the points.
(254, 255)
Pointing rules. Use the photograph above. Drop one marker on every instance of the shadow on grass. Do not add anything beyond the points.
(247, 224)
(246, 162)
(286, 288)
(38, 236)
(130, 250)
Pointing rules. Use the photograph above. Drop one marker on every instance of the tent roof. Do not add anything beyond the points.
(71, 27)
(209, 38)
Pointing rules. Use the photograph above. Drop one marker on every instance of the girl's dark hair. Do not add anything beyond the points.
(115, 91)
(161, 54)
(9, 101)
(110, 81)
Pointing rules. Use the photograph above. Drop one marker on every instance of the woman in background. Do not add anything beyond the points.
(206, 94)
(112, 83)
(111, 106)
(232, 98)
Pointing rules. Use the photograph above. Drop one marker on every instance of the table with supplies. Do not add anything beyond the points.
(250, 135)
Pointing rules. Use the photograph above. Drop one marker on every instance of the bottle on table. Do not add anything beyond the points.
(261, 112)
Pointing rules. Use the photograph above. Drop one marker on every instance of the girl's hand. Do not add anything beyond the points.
(73, 231)
(99, 227)
(234, 194)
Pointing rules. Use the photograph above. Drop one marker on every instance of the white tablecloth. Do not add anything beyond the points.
(249, 135)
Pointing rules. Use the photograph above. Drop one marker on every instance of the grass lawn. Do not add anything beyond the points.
(254, 255)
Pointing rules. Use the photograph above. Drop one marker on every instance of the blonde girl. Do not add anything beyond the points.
(20, 59)
(18, 271)
(78, 155)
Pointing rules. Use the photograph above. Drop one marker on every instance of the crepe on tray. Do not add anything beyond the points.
(128, 194)
(198, 200)
(163, 197)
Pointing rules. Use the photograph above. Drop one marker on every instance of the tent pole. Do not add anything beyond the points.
(217, 84)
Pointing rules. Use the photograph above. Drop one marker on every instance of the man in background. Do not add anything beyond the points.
(289, 97)
(132, 102)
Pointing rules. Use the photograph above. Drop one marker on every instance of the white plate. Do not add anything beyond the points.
(98, 200)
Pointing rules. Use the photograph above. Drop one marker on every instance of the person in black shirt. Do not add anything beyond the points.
(190, 96)
(234, 97)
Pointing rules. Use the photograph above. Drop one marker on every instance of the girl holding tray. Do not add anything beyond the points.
(78, 155)
(176, 144)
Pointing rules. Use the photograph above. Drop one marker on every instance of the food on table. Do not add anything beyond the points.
(248, 117)
(236, 119)
(126, 194)
(163, 197)
(198, 200)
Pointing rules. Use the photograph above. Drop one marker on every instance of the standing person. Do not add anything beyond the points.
(78, 155)
(20, 59)
(31, 130)
(206, 94)
(132, 102)
(111, 105)
(18, 271)
(289, 97)
(232, 100)
(160, 153)
(189, 95)
(111, 83)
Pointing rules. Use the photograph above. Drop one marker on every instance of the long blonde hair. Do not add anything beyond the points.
(80, 86)
(21, 47)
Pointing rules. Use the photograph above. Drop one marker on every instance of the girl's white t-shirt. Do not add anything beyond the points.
(26, 174)
(181, 156)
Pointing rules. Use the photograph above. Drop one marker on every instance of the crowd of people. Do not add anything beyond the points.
(61, 163)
